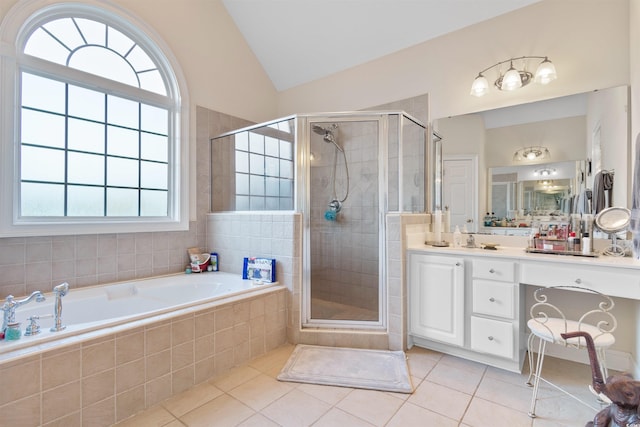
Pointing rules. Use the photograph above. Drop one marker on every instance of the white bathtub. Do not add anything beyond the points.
(102, 308)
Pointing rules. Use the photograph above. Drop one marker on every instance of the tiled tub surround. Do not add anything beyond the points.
(111, 374)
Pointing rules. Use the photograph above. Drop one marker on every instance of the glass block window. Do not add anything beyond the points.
(264, 172)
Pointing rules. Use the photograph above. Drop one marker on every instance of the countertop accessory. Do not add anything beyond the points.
(471, 242)
(612, 221)
(441, 244)
(490, 246)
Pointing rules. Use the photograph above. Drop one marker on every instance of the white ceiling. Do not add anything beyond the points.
(298, 41)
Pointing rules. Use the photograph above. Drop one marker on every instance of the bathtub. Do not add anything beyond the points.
(93, 311)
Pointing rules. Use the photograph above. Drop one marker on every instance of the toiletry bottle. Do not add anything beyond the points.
(457, 238)
(586, 244)
(214, 261)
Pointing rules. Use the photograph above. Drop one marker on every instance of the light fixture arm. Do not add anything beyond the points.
(511, 60)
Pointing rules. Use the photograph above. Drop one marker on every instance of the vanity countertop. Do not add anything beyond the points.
(521, 254)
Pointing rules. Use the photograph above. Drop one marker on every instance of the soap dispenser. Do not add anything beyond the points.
(457, 238)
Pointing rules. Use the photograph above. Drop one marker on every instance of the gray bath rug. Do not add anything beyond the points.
(348, 367)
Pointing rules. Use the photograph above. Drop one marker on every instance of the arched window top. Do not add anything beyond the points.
(96, 48)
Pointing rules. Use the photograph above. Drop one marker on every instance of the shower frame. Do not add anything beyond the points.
(303, 203)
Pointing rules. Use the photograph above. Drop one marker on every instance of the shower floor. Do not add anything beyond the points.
(329, 310)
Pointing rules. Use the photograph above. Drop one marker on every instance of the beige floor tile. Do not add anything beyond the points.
(338, 418)
(273, 360)
(257, 420)
(482, 413)
(372, 406)
(456, 378)
(563, 411)
(153, 417)
(513, 396)
(421, 363)
(443, 400)
(236, 377)
(326, 393)
(296, 408)
(260, 391)
(191, 399)
(413, 415)
(220, 412)
(460, 363)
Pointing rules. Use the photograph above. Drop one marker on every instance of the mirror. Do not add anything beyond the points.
(589, 130)
(534, 190)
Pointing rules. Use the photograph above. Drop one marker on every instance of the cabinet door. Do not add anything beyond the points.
(436, 294)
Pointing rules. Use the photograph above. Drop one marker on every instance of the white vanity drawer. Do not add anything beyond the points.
(493, 269)
(494, 298)
(611, 281)
(492, 336)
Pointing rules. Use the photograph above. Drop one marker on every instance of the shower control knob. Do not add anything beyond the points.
(490, 338)
(492, 271)
(578, 281)
(492, 299)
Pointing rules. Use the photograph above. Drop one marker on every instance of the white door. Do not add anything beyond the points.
(460, 191)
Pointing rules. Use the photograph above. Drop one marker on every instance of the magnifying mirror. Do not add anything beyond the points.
(612, 221)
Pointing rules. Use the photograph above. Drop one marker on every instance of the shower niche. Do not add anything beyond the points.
(344, 172)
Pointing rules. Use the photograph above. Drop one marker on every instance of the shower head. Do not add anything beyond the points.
(327, 134)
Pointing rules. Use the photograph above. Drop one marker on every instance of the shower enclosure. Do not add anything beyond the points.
(344, 172)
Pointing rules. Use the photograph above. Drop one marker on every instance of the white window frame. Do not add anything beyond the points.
(14, 29)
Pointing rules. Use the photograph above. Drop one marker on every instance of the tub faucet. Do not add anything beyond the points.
(58, 291)
(10, 305)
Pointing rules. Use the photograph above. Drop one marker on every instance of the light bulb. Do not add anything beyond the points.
(480, 86)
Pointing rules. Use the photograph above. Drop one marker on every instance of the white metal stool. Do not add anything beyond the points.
(547, 322)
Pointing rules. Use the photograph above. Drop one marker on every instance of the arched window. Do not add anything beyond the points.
(98, 129)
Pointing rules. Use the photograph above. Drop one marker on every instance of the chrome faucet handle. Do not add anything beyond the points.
(33, 328)
(61, 289)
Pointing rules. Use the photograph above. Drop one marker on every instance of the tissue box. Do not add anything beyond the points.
(262, 269)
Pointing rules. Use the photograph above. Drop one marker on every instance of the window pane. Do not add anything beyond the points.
(86, 103)
(256, 203)
(139, 60)
(104, 63)
(256, 164)
(65, 30)
(286, 188)
(286, 150)
(154, 147)
(86, 136)
(242, 162)
(153, 82)
(256, 143)
(122, 202)
(93, 32)
(286, 204)
(118, 41)
(85, 201)
(42, 164)
(42, 45)
(153, 203)
(273, 187)
(256, 185)
(42, 129)
(122, 112)
(41, 199)
(271, 166)
(154, 119)
(154, 175)
(242, 203)
(272, 203)
(85, 169)
(122, 172)
(242, 183)
(122, 142)
(286, 169)
(271, 146)
(242, 141)
(42, 93)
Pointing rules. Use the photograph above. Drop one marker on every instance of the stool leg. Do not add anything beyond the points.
(530, 357)
(536, 384)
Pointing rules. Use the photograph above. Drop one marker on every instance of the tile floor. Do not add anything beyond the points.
(449, 391)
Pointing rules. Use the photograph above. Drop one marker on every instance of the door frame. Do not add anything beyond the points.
(474, 185)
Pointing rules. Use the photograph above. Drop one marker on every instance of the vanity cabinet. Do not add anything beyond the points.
(436, 298)
(468, 306)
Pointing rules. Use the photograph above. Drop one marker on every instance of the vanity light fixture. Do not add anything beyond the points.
(544, 171)
(531, 153)
(515, 78)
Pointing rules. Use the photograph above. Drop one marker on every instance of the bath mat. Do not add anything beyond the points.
(348, 367)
